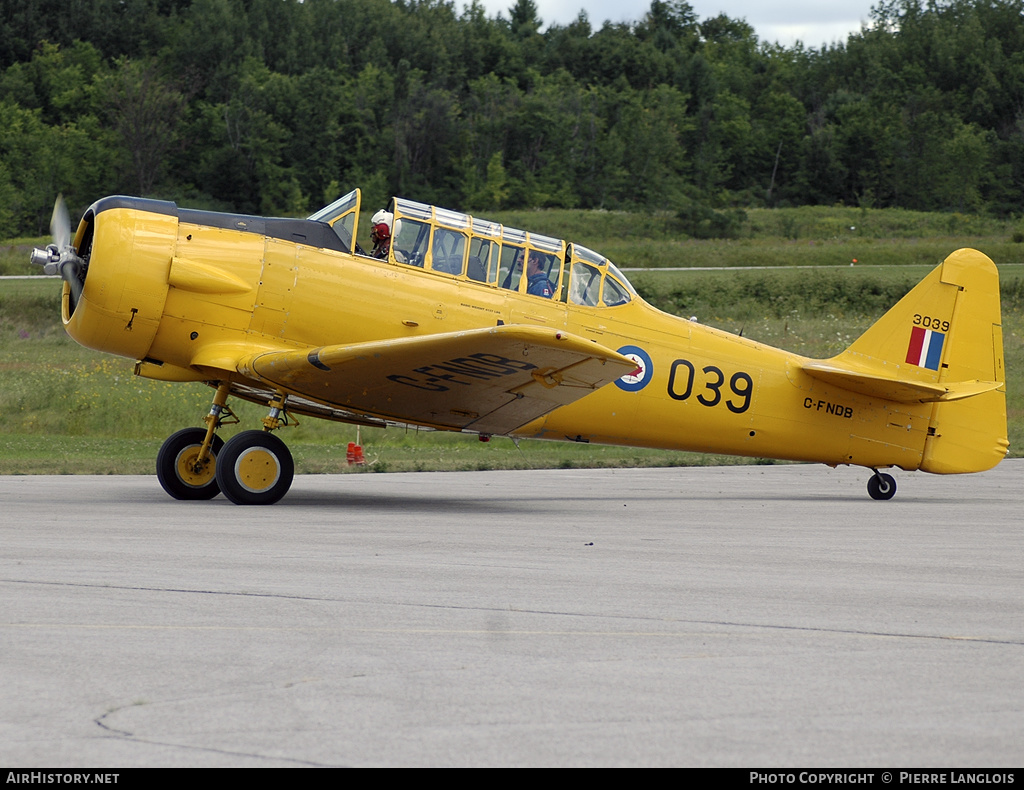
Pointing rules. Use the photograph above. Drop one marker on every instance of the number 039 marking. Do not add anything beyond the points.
(681, 382)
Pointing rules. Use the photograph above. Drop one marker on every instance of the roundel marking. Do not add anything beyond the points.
(639, 378)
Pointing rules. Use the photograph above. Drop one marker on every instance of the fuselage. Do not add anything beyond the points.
(187, 295)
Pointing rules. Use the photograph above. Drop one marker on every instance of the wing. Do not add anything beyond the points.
(487, 380)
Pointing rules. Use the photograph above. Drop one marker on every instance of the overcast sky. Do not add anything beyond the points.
(814, 22)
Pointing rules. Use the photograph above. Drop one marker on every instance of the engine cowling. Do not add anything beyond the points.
(128, 245)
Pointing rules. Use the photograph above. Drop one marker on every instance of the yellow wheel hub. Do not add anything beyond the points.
(190, 472)
(257, 470)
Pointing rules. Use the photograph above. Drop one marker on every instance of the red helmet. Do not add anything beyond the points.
(380, 225)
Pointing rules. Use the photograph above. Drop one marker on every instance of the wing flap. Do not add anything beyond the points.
(488, 380)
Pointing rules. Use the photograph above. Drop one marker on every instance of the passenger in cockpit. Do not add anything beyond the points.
(537, 282)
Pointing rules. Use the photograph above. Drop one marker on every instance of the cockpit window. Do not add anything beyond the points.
(458, 245)
(483, 260)
(613, 293)
(447, 253)
(342, 215)
(547, 253)
(330, 214)
(411, 241)
(621, 279)
(589, 271)
(484, 251)
(584, 285)
(513, 246)
(511, 269)
(410, 208)
(580, 253)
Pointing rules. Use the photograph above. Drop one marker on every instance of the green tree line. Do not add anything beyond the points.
(278, 106)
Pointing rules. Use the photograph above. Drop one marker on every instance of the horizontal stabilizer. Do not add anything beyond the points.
(891, 388)
(487, 380)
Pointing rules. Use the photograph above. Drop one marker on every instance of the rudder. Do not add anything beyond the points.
(969, 435)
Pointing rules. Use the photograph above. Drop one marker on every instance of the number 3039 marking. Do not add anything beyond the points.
(928, 322)
(681, 382)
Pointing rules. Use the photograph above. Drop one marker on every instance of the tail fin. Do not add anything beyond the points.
(941, 344)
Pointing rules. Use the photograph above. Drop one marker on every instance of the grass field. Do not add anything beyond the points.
(69, 410)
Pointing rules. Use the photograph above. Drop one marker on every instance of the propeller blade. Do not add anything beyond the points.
(60, 223)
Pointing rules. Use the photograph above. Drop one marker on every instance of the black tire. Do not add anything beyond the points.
(175, 465)
(255, 468)
(882, 486)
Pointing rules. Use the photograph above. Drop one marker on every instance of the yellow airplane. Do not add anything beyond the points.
(462, 324)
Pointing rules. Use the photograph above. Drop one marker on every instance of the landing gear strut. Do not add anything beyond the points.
(186, 463)
(881, 485)
(255, 467)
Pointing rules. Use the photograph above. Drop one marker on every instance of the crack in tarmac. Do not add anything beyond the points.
(490, 609)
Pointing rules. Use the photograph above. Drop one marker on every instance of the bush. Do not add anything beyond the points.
(700, 221)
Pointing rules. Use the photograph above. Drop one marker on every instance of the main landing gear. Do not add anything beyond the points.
(881, 485)
(251, 468)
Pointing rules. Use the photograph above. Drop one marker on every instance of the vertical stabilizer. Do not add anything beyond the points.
(946, 334)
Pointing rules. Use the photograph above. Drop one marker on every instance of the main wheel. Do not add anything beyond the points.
(882, 486)
(255, 468)
(178, 468)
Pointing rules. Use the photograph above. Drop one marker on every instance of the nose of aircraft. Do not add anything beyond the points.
(115, 271)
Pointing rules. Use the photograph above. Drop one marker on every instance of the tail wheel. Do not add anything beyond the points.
(255, 468)
(178, 468)
(882, 486)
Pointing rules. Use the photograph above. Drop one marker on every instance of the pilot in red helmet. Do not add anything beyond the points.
(380, 233)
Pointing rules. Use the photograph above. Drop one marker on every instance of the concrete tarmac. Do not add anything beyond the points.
(737, 616)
